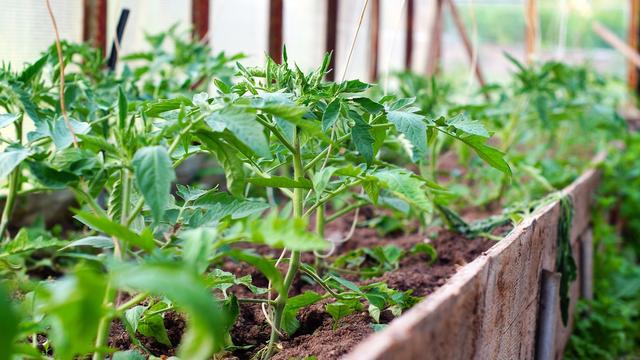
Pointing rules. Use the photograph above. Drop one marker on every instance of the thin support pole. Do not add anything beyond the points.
(408, 38)
(634, 34)
(531, 29)
(200, 18)
(275, 30)
(331, 38)
(374, 40)
(435, 43)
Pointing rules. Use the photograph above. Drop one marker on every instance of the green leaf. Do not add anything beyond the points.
(102, 224)
(73, 307)
(122, 110)
(331, 114)
(50, 177)
(197, 247)
(243, 124)
(290, 233)
(492, 156)
(205, 334)
(8, 119)
(368, 105)
(153, 325)
(23, 242)
(60, 134)
(154, 174)
(217, 206)
(342, 308)
(402, 184)
(263, 265)
(321, 180)
(463, 123)
(233, 168)
(294, 304)
(280, 182)
(127, 355)
(10, 159)
(427, 249)
(413, 127)
(361, 137)
(157, 107)
(99, 242)
(34, 69)
(8, 325)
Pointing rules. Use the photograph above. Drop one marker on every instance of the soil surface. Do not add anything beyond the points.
(318, 335)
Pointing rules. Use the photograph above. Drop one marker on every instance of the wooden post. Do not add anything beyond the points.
(586, 265)
(548, 318)
(94, 25)
(374, 37)
(435, 47)
(531, 29)
(634, 32)
(457, 19)
(275, 30)
(330, 39)
(200, 18)
(408, 39)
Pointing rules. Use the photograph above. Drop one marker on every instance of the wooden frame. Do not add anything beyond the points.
(374, 40)
(276, 12)
(490, 308)
(94, 24)
(200, 18)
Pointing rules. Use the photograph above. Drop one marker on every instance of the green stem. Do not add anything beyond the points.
(14, 187)
(345, 210)
(294, 262)
(103, 326)
(11, 199)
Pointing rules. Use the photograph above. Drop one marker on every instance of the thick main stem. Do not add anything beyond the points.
(294, 262)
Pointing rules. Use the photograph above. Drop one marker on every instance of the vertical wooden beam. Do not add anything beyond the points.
(275, 30)
(634, 34)
(408, 38)
(531, 29)
(374, 37)
(94, 25)
(332, 35)
(200, 18)
(459, 23)
(435, 42)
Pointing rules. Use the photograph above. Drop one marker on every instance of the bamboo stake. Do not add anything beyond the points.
(531, 29)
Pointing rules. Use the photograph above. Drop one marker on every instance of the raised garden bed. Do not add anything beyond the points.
(490, 307)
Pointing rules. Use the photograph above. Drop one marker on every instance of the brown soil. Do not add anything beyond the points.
(318, 335)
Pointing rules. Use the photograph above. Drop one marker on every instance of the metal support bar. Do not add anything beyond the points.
(122, 22)
(548, 315)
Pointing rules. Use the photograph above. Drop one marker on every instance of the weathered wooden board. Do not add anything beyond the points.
(489, 309)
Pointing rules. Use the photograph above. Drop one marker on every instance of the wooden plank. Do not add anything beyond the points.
(473, 58)
(612, 39)
(408, 38)
(331, 37)
(531, 29)
(435, 42)
(276, 12)
(94, 25)
(200, 19)
(374, 40)
(489, 309)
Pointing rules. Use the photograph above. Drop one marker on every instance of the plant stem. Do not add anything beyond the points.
(14, 187)
(103, 326)
(345, 210)
(294, 262)
(11, 199)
